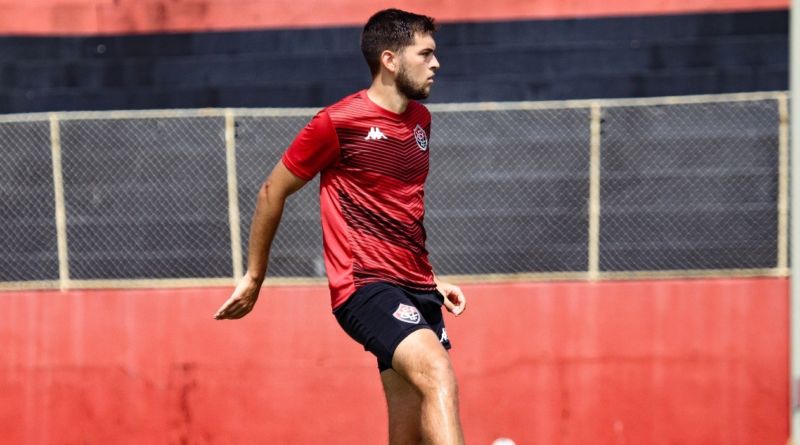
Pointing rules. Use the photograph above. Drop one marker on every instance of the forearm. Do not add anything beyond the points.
(266, 218)
(269, 208)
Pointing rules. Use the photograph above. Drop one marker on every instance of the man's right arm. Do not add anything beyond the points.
(266, 218)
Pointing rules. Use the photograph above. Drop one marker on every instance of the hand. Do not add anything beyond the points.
(454, 299)
(242, 301)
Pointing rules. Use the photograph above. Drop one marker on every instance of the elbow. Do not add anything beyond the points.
(270, 193)
(265, 191)
(279, 185)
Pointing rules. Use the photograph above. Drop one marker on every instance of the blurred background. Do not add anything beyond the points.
(609, 185)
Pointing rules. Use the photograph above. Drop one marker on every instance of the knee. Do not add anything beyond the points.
(437, 377)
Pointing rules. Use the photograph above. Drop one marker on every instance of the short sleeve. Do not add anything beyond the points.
(315, 148)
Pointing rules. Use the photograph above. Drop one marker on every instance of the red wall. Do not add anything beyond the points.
(638, 362)
(54, 17)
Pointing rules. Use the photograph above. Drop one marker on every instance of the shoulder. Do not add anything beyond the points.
(413, 104)
(418, 111)
(354, 101)
(319, 124)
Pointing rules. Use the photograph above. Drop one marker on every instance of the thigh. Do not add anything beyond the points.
(423, 362)
(379, 316)
(430, 305)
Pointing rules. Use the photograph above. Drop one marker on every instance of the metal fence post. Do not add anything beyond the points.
(233, 193)
(594, 192)
(60, 207)
(783, 183)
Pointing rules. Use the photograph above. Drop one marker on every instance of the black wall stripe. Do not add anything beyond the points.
(523, 60)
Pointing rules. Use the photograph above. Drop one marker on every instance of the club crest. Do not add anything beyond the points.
(421, 137)
(406, 313)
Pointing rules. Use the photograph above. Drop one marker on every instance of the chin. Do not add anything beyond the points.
(422, 94)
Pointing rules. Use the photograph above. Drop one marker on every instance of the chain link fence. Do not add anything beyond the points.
(677, 184)
(690, 186)
(28, 245)
(260, 143)
(145, 198)
(508, 191)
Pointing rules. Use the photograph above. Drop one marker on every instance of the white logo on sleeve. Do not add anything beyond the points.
(375, 133)
(406, 313)
(444, 338)
(421, 138)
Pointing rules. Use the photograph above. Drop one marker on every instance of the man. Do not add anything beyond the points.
(371, 149)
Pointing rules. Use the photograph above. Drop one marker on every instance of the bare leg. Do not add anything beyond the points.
(425, 365)
(404, 409)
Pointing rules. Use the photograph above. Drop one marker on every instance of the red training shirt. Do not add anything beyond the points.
(373, 165)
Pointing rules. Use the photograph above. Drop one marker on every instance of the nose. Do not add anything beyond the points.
(434, 64)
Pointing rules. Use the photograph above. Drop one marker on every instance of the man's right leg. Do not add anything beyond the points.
(424, 363)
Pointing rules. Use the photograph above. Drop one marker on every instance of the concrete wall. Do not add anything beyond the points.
(639, 362)
(61, 17)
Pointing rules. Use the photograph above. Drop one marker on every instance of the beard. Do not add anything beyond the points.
(408, 88)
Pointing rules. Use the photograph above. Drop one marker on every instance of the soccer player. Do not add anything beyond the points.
(371, 150)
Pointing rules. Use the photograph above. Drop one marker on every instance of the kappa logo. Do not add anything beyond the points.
(408, 314)
(375, 134)
(421, 137)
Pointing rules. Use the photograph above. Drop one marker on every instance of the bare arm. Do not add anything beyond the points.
(266, 218)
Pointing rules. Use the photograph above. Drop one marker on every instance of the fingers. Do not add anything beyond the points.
(233, 309)
(225, 310)
(459, 308)
(232, 312)
(455, 301)
(449, 304)
(241, 302)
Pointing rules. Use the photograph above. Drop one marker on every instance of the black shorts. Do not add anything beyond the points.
(380, 315)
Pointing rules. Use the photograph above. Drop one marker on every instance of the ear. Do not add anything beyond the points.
(390, 61)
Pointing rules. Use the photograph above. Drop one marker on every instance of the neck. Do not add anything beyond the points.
(385, 95)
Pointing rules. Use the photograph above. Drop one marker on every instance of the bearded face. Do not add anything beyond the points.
(414, 89)
(418, 65)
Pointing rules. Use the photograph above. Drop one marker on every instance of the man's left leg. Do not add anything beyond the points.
(406, 333)
(403, 402)
(425, 365)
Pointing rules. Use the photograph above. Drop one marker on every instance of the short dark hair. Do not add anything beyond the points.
(391, 29)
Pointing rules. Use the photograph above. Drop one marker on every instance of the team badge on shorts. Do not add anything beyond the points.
(406, 313)
(421, 137)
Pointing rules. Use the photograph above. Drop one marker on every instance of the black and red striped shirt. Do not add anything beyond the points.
(373, 166)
